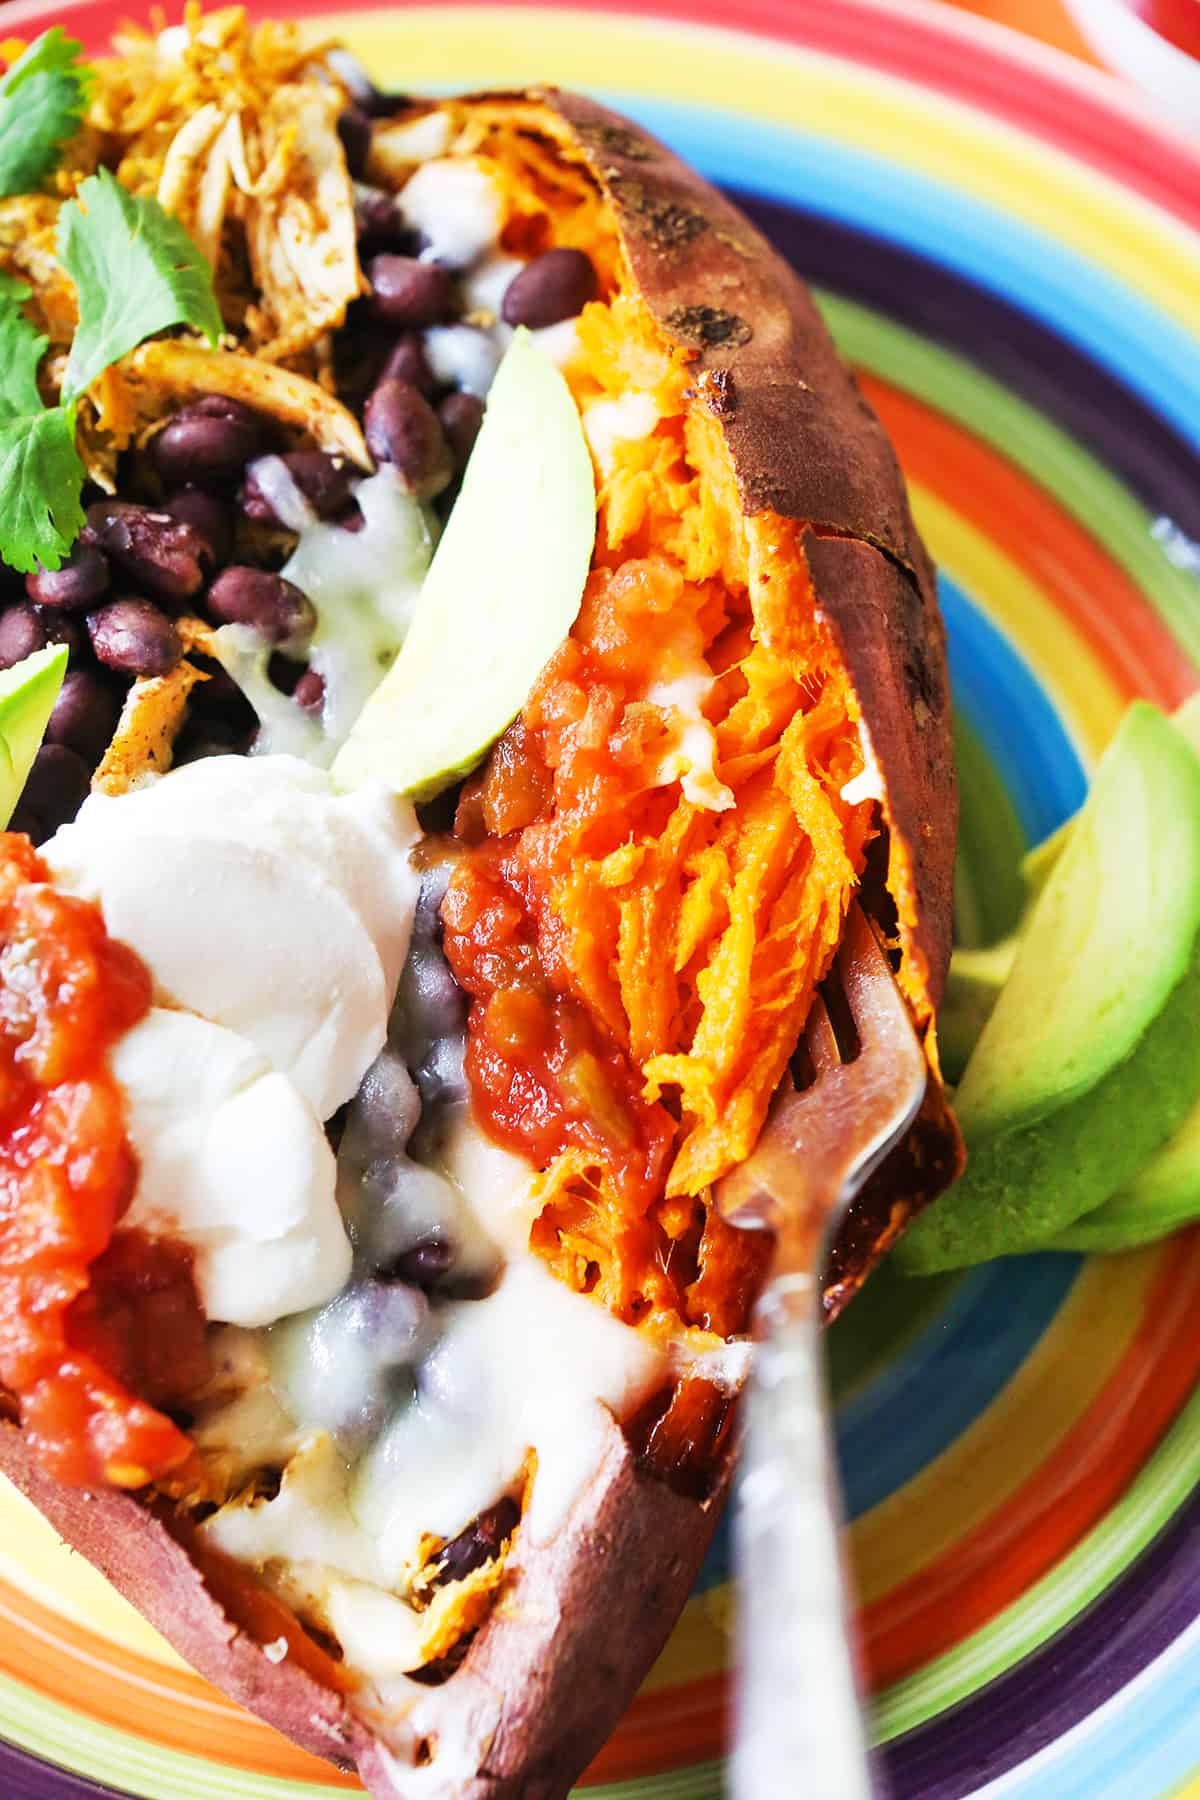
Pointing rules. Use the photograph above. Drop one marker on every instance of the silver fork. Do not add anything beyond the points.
(799, 1731)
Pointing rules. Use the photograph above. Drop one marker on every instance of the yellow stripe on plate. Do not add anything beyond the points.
(1005, 1446)
(34, 1560)
(1083, 691)
(908, 125)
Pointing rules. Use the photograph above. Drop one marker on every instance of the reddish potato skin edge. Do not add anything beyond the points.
(124, 1540)
(531, 1703)
(581, 1618)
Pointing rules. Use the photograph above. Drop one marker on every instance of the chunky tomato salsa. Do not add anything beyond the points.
(95, 1322)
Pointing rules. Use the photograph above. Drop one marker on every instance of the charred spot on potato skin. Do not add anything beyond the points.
(615, 140)
(705, 327)
(718, 389)
(661, 223)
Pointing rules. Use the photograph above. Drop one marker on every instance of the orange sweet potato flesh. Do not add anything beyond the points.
(580, 1618)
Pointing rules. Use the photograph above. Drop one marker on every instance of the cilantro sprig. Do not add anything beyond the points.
(42, 101)
(41, 472)
(136, 272)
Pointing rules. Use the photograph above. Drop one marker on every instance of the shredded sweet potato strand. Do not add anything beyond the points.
(694, 935)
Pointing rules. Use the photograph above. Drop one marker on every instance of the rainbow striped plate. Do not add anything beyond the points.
(1006, 247)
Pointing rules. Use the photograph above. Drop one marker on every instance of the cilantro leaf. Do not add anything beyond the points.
(136, 272)
(41, 472)
(41, 475)
(42, 99)
(21, 350)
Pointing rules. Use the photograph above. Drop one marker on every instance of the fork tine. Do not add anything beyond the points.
(820, 1040)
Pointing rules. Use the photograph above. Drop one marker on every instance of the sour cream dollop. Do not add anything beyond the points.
(274, 914)
(261, 898)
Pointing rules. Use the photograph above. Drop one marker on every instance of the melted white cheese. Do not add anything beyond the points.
(497, 1185)
(607, 423)
(691, 760)
(364, 585)
(412, 140)
(483, 290)
(456, 206)
(465, 356)
(234, 1162)
(262, 900)
(868, 783)
(534, 1367)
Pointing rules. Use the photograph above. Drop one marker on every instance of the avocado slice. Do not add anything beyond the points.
(1162, 1197)
(27, 694)
(1023, 1189)
(501, 593)
(1107, 942)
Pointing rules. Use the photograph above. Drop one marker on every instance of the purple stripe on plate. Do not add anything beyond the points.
(25, 1777)
(1017, 350)
(1049, 1693)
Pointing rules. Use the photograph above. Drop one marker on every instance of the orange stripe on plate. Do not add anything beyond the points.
(1088, 1469)
(117, 1687)
(1091, 590)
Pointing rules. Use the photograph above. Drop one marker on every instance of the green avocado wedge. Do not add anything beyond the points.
(1161, 1198)
(501, 593)
(1025, 1189)
(1165, 1195)
(1107, 941)
(27, 694)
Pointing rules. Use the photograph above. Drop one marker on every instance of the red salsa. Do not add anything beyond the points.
(96, 1323)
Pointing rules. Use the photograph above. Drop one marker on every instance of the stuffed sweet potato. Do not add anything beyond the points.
(364, 1315)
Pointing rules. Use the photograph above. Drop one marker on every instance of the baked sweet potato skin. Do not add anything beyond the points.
(580, 1621)
(124, 1539)
(581, 1618)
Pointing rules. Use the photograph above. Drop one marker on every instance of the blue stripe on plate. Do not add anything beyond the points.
(1085, 305)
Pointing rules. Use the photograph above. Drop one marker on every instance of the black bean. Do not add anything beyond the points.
(324, 481)
(461, 416)
(162, 555)
(211, 441)
(480, 1543)
(284, 671)
(354, 129)
(134, 637)
(21, 633)
(309, 691)
(425, 1265)
(78, 582)
(66, 628)
(198, 746)
(406, 291)
(57, 785)
(402, 429)
(553, 287)
(220, 697)
(380, 225)
(406, 361)
(274, 606)
(25, 819)
(207, 516)
(85, 715)
(386, 1318)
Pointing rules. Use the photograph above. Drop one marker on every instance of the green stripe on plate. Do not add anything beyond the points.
(1059, 465)
(1149, 1504)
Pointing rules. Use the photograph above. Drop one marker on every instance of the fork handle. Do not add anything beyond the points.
(799, 1732)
